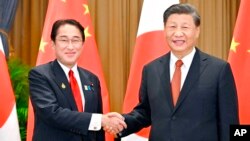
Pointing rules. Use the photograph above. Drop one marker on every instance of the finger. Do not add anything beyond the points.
(119, 123)
(120, 127)
(115, 130)
(105, 128)
(108, 130)
(117, 115)
(122, 123)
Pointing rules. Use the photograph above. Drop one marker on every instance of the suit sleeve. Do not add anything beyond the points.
(227, 102)
(100, 135)
(140, 116)
(44, 96)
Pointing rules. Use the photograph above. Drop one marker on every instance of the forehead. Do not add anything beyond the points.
(68, 30)
(180, 18)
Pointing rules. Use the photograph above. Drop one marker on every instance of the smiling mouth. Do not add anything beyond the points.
(178, 42)
(70, 53)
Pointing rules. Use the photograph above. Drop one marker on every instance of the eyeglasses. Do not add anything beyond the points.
(64, 42)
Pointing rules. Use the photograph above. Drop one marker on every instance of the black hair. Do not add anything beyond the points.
(61, 22)
(182, 9)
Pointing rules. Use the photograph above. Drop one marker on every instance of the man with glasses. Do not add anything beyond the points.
(66, 98)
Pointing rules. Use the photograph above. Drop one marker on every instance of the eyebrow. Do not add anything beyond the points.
(64, 36)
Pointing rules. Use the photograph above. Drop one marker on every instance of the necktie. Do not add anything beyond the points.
(176, 81)
(76, 91)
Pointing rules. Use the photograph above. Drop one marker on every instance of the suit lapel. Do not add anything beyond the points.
(197, 67)
(62, 82)
(165, 79)
(88, 90)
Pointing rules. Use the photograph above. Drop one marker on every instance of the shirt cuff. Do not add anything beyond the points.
(95, 122)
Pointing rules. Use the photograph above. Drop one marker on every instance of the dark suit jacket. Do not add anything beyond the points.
(56, 116)
(207, 104)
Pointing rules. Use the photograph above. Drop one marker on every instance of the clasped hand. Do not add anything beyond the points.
(113, 123)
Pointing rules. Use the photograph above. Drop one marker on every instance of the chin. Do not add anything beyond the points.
(178, 48)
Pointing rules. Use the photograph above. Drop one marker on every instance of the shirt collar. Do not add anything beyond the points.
(66, 69)
(187, 60)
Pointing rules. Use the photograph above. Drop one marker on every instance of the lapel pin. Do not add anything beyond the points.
(85, 87)
(92, 86)
(88, 87)
(63, 86)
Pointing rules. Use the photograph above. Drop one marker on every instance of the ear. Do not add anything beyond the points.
(197, 32)
(53, 44)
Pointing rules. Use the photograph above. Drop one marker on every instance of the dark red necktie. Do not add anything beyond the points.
(176, 81)
(76, 91)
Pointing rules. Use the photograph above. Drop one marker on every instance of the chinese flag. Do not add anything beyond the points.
(78, 10)
(239, 58)
(9, 128)
(150, 44)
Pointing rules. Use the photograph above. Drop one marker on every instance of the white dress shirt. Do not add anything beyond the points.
(187, 60)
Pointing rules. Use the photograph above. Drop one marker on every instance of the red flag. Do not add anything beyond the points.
(239, 58)
(78, 10)
(150, 44)
(9, 128)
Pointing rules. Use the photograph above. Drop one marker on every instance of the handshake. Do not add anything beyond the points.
(113, 123)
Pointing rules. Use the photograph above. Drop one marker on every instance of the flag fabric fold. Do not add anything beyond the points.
(239, 58)
(9, 128)
(150, 44)
(89, 59)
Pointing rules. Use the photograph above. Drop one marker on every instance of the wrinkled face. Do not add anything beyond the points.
(68, 45)
(181, 34)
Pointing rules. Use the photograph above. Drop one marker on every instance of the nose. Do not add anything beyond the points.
(70, 44)
(178, 32)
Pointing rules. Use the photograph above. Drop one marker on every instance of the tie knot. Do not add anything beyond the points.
(71, 73)
(178, 63)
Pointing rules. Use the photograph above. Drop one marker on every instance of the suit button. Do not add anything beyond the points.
(173, 118)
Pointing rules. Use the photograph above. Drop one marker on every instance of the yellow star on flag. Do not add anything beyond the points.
(86, 32)
(234, 45)
(42, 45)
(63, 0)
(86, 9)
